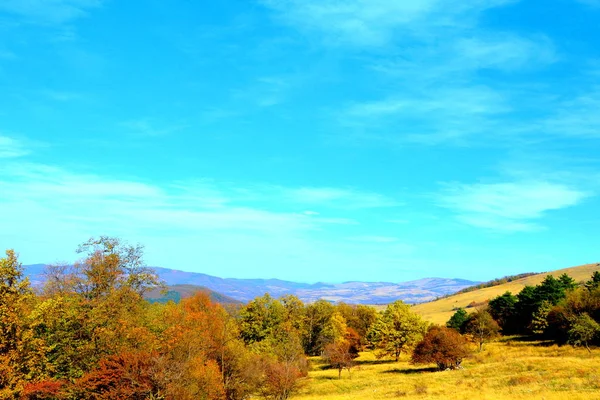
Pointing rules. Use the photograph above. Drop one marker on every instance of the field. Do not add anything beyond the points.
(441, 310)
(509, 369)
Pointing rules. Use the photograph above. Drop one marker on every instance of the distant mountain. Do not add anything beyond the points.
(244, 290)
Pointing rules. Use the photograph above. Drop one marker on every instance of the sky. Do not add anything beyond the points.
(306, 140)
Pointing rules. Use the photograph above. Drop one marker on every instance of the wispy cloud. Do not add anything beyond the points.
(10, 147)
(509, 206)
(578, 116)
(436, 116)
(503, 51)
(149, 127)
(49, 12)
(375, 22)
(339, 198)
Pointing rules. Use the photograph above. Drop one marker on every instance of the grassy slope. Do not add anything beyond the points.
(439, 311)
(504, 370)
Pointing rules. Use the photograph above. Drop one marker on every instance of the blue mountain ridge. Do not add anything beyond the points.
(353, 292)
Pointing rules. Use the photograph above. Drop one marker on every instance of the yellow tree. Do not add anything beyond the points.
(15, 294)
(397, 329)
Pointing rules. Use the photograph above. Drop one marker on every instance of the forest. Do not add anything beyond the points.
(88, 333)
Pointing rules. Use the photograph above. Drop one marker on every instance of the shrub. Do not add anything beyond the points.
(442, 346)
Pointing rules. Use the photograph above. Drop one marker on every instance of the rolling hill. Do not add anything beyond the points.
(178, 292)
(439, 311)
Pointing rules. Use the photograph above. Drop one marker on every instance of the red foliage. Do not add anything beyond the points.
(442, 346)
(43, 390)
(129, 376)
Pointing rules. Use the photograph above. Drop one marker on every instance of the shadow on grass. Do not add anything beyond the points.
(410, 371)
(373, 362)
(531, 340)
(326, 378)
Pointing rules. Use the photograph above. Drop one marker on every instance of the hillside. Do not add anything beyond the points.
(439, 311)
(178, 292)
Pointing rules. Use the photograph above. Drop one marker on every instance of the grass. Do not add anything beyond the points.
(510, 369)
(440, 311)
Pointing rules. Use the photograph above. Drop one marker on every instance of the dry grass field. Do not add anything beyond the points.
(439, 311)
(509, 369)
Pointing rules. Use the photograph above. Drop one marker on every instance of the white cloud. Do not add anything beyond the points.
(45, 211)
(49, 12)
(513, 206)
(10, 147)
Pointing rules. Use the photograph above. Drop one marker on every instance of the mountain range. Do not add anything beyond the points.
(244, 290)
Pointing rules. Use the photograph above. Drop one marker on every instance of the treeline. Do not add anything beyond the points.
(557, 309)
(89, 334)
(495, 282)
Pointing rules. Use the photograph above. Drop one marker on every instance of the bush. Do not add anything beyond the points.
(442, 346)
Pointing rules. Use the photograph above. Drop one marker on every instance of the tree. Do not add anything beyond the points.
(583, 331)
(458, 320)
(15, 299)
(442, 346)
(396, 330)
(109, 265)
(14, 293)
(503, 310)
(594, 282)
(340, 356)
(482, 326)
(317, 316)
(539, 323)
(260, 318)
(359, 317)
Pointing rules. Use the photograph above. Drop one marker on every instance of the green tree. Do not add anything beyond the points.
(503, 310)
(260, 318)
(539, 322)
(396, 330)
(594, 281)
(458, 320)
(317, 316)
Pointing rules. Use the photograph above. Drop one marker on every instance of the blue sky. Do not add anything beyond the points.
(302, 139)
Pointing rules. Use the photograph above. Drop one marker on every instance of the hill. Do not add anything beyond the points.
(439, 311)
(178, 292)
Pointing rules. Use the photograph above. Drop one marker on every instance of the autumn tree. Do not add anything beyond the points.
(284, 364)
(396, 330)
(583, 330)
(443, 346)
(482, 327)
(359, 317)
(15, 296)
